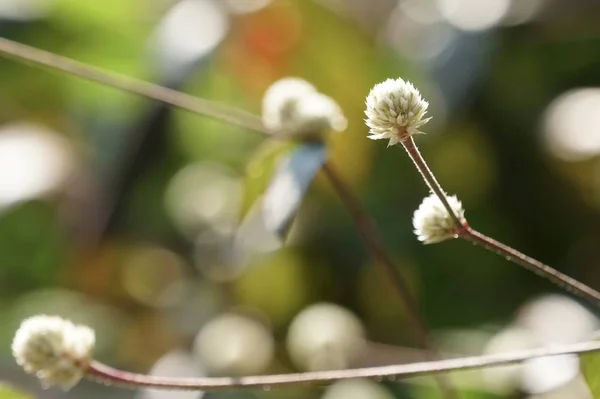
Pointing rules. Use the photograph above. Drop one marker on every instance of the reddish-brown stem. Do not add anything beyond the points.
(464, 231)
(102, 373)
(562, 280)
(370, 236)
(414, 154)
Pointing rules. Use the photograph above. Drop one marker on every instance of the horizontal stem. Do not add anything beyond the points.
(22, 52)
(562, 280)
(100, 372)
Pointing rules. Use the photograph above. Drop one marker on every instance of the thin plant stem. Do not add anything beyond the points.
(464, 231)
(102, 373)
(24, 53)
(365, 225)
(370, 236)
(234, 116)
(414, 154)
(562, 280)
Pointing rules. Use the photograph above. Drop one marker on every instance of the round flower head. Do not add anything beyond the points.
(432, 222)
(293, 107)
(395, 111)
(54, 349)
(317, 113)
(281, 99)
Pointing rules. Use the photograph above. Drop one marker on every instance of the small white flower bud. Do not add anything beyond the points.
(432, 222)
(395, 111)
(294, 108)
(54, 349)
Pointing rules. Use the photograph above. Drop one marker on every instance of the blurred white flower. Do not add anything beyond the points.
(395, 111)
(546, 374)
(557, 319)
(280, 100)
(325, 336)
(53, 349)
(293, 107)
(433, 223)
(504, 380)
(546, 321)
(554, 320)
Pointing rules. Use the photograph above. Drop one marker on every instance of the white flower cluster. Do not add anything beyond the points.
(54, 349)
(395, 111)
(293, 107)
(433, 223)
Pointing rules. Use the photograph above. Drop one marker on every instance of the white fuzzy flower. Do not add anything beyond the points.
(54, 349)
(280, 100)
(293, 107)
(395, 111)
(433, 223)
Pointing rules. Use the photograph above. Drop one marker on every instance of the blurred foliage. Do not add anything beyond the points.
(259, 171)
(142, 284)
(7, 392)
(590, 364)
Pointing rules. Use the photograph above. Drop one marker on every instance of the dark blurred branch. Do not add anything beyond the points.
(102, 373)
(370, 236)
(364, 224)
(142, 150)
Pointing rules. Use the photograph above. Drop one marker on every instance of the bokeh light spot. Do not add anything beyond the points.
(572, 125)
(474, 15)
(33, 161)
(153, 276)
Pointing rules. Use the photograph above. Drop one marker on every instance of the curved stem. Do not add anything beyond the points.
(414, 154)
(370, 236)
(103, 373)
(562, 280)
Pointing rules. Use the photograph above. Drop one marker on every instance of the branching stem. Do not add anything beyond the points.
(464, 231)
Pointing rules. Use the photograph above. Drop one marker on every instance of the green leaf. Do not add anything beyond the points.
(590, 368)
(8, 392)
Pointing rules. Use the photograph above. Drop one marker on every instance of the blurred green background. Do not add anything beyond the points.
(115, 210)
